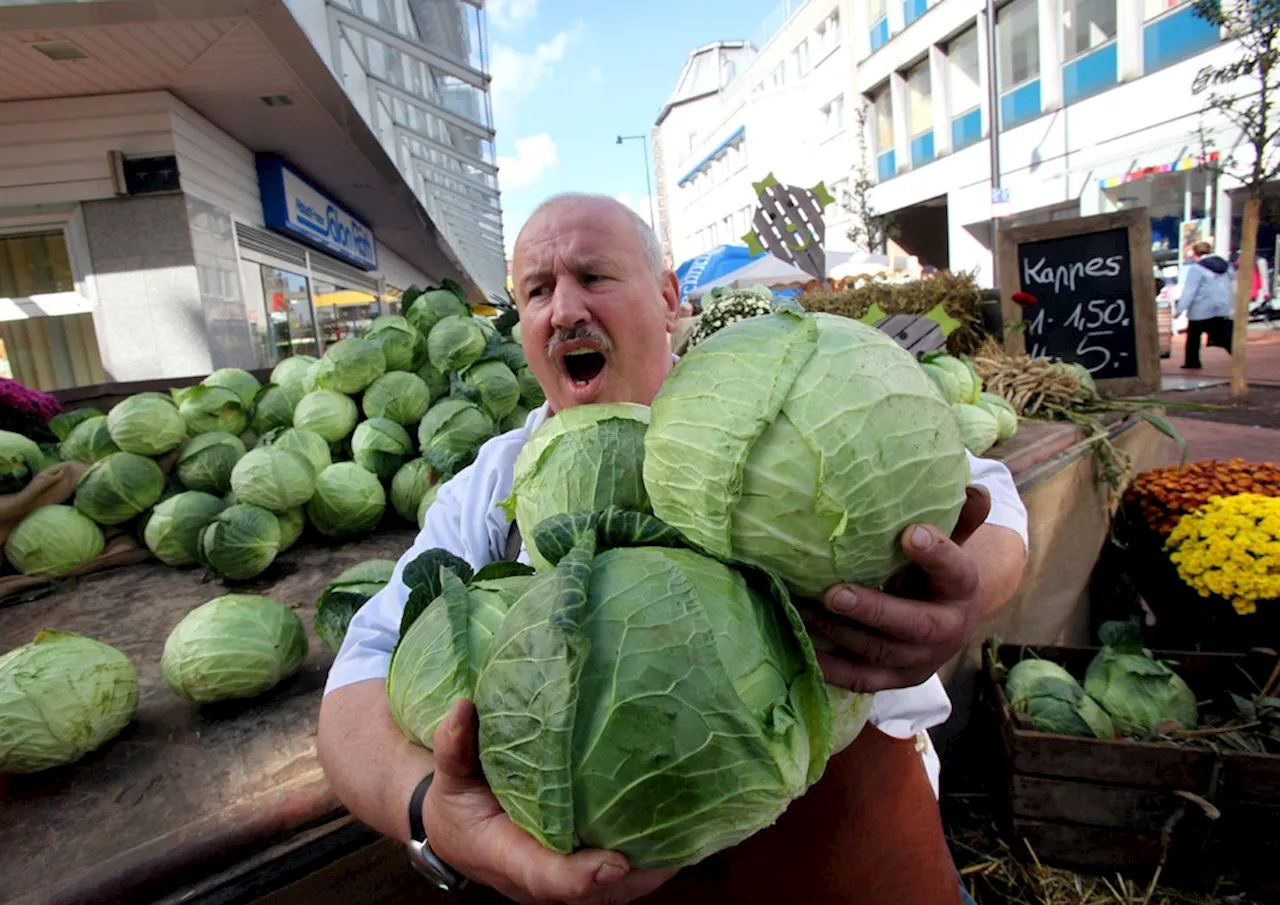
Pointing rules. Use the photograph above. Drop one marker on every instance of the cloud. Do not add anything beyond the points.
(509, 15)
(516, 73)
(640, 206)
(534, 155)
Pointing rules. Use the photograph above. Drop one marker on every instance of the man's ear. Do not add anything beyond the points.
(671, 296)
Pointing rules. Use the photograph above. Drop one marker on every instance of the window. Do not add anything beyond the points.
(35, 263)
(876, 15)
(832, 117)
(343, 312)
(1018, 40)
(876, 10)
(728, 69)
(779, 75)
(1153, 9)
(964, 79)
(1086, 24)
(801, 57)
(1168, 39)
(829, 33)
(884, 120)
(913, 9)
(290, 327)
(919, 100)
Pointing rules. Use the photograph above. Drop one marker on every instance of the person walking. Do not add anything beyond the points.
(1206, 299)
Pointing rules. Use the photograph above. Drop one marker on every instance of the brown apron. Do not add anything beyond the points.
(869, 833)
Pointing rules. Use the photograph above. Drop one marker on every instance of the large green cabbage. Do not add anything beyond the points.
(1054, 700)
(455, 342)
(119, 487)
(805, 445)
(409, 485)
(173, 531)
(239, 381)
(291, 374)
(292, 523)
(307, 443)
(20, 461)
(63, 423)
(400, 396)
(272, 409)
(62, 696)
(431, 307)
(531, 394)
(1138, 691)
(493, 386)
(234, 646)
(240, 542)
(327, 413)
(379, 445)
(350, 365)
(437, 381)
(348, 501)
(207, 461)
(584, 459)
(672, 705)
(978, 427)
(53, 541)
(88, 441)
(274, 478)
(404, 348)
(1002, 410)
(147, 425)
(425, 503)
(451, 432)
(343, 596)
(213, 409)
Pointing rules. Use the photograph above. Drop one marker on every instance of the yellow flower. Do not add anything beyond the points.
(1230, 547)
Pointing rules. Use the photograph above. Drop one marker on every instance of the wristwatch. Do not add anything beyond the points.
(420, 854)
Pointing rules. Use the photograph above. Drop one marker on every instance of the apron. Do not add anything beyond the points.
(868, 833)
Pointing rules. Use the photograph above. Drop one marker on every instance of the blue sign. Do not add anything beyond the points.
(293, 206)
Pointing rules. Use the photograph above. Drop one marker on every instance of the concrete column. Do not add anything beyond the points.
(985, 53)
(1050, 55)
(941, 99)
(901, 140)
(1128, 41)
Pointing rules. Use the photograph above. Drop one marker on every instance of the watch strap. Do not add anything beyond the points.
(418, 832)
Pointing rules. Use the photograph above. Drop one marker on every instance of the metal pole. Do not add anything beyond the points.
(648, 185)
(993, 130)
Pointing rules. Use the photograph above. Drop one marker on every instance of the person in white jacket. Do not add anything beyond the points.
(1207, 299)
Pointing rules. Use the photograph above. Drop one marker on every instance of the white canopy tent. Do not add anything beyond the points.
(772, 271)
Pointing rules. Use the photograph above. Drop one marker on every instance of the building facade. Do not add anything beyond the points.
(740, 112)
(194, 185)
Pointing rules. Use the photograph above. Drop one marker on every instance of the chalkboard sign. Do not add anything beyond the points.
(1094, 293)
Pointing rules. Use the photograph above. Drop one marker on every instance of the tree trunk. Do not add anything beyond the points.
(1244, 291)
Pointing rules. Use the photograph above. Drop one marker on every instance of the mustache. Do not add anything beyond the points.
(576, 333)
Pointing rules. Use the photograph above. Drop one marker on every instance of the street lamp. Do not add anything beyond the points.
(644, 141)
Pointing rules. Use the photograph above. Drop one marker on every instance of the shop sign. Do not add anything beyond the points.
(1188, 162)
(293, 206)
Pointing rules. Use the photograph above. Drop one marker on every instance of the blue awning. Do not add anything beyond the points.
(719, 149)
(712, 265)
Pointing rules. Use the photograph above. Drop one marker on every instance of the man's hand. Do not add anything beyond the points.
(898, 637)
(469, 831)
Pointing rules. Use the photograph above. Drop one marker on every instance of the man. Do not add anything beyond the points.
(596, 311)
(1207, 299)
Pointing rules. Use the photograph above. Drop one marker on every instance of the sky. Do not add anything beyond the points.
(569, 76)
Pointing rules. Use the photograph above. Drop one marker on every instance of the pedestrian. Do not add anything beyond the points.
(1206, 298)
(589, 279)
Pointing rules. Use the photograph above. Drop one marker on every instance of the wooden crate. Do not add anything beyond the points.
(1106, 805)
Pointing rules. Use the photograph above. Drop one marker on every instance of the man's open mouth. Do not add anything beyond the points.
(583, 365)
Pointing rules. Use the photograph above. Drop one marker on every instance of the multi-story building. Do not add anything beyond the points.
(739, 113)
(1094, 112)
(203, 183)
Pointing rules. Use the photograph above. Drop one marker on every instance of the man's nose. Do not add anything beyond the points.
(569, 307)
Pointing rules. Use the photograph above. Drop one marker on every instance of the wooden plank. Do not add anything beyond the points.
(1254, 777)
(1121, 762)
(1065, 845)
(1095, 804)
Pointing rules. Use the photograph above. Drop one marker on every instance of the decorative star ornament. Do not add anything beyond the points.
(789, 225)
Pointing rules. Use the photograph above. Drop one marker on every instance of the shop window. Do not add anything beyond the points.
(1172, 33)
(1018, 62)
(877, 15)
(343, 313)
(1089, 47)
(35, 263)
(289, 328)
(920, 114)
(886, 161)
(965, 90)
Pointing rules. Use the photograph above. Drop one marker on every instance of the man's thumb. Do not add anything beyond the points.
(456, 747)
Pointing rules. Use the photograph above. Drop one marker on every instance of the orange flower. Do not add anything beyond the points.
(1165, 494)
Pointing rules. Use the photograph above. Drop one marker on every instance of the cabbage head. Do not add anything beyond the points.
(53, 541)
(431, 307)
(1054, 700)
(516, 420)
(350, 365)
(945, 380)
(291, 376)
(147, 425)
(584, 459)
(348, 501)
(673, 665)
(404, 348)
(275, 479)
(343, 596)
(978, 427)
(239, 381)
(967, 383)
(249, 439)
(234, 646)
(63, 423)
(88, 441)
(173, 530)
(1002, 410)
(803, 444)
(436, 661)
(380, 445)
(425, 503)
(437, 381)
(213, 408)
(327, 413)
(272, 409)
(240, 542)
(531, 395)
(451, 432)
(409, 485)
(118, 488)
(307, 443)
(62, 696)
(207, 461)
(513, 355)
(455, 342)
(400, 396)
(1139, 692)
(493, 386)
(292, 523)
(20, 461)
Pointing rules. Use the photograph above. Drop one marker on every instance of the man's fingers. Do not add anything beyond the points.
(952, 570)
(977, 506)
(864, 679)
(550, 876)
(457, 750)
(897, 619)
(856, 642)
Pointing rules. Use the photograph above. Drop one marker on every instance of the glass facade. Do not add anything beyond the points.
(1018, 62)
(34, 263)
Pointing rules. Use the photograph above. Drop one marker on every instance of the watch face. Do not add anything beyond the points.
(426, 863)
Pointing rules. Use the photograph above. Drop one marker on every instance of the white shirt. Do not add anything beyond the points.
(466, 521)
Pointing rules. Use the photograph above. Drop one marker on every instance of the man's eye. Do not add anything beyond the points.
(589, 278)
(537, 291)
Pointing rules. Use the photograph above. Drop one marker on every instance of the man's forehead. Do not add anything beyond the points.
(573, 240)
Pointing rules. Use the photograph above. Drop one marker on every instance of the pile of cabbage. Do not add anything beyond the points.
(985, 418)
(228, 474)
(1126, 691)
(647, 683)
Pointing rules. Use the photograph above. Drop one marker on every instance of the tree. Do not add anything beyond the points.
(1244, 95)
(870, 230)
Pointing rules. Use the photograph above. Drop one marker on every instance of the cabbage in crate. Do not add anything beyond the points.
(804, 444)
